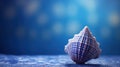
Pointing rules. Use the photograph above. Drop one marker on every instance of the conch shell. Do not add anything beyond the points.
(83, 47)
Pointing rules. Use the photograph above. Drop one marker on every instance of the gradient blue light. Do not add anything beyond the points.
(44, 26)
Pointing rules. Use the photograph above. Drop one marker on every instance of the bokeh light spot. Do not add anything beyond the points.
(114, 19)
(105, 32)
(58, 28)
(72, 10)
(59, 9)
(10, 12)
(46, 35)
(31, 7)
(73, 27)
(20, 32)
(90, 5)
(42, 18)
(92, 19)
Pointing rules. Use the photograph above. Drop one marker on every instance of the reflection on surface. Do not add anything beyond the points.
(86, 65)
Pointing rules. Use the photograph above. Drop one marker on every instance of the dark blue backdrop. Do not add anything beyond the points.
(44, 26)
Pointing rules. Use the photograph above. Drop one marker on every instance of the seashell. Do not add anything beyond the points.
(83, 47)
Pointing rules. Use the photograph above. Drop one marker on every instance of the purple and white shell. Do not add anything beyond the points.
(83, 47)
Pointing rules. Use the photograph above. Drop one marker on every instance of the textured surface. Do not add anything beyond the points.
(55, 61)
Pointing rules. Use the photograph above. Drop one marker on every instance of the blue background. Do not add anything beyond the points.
(44, 26)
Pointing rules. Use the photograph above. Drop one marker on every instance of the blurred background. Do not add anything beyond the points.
(43, 27)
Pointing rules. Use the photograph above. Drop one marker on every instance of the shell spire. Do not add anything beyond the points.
(83, 47)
